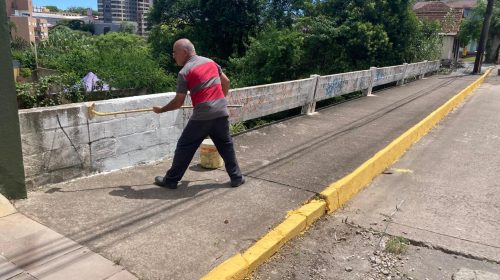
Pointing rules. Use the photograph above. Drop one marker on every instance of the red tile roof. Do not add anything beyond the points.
(450, 18)
(464, 4)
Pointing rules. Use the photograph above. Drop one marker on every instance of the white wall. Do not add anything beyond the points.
(62, 142)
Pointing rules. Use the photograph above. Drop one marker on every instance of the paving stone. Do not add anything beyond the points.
(81, 264)
(27, 243)
(8, 269)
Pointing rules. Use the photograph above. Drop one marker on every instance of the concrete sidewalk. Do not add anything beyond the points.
(182, 234)
(442, 195)
(449, 193)
(30, 251)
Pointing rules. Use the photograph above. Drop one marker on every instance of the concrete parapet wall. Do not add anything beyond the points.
(340, 84)
(62, 142)
(265, 100)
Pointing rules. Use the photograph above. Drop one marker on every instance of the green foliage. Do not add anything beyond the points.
(334, 36)
(274, 55)
(25, 99)
(79, 10)
(471, 26)
(25, 72)
(52, 8)
(218, 28)
(237, 128)
(50, 91)
(427, 43)
(76, 24)
(128, 27)
(122, 60)
(397, 245)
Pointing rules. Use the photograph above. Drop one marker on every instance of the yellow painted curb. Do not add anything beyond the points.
(338, 193)
(333, 197)
(312, 211)
(5, 207)
(234, 268)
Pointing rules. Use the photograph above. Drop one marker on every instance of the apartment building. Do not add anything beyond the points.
(25, 26)
(116, 11)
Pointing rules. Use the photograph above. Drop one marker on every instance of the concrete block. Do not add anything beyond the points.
(108, 129)
(129, 159)
(267, 99)
(103, 148)
(70, 115)
(57, 159)
(137, 141)
(53, 139)
(170, 135)
(130, 103)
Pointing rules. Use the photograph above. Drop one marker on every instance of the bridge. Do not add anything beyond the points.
(124, 227)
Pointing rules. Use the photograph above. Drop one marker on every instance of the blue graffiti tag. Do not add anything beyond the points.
(334, 86)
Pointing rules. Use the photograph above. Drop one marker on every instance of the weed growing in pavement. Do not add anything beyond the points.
(397, 245)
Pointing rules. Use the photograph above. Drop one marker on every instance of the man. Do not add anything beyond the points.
(208, 86)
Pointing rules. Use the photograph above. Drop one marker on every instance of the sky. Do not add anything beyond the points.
(64, 4)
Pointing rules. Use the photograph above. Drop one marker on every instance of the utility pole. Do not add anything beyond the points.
(484, 37)
(12, 180)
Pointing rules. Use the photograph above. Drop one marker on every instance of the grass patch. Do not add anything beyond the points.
(397, 245)
(262, 121)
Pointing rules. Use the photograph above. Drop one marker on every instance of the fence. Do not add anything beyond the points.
(61, 142)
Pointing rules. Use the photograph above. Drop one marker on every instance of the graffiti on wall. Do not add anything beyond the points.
(268, 99)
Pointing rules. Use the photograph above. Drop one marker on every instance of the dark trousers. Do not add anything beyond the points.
(192, 137)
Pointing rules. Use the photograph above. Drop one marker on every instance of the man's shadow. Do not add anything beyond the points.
(155, 192)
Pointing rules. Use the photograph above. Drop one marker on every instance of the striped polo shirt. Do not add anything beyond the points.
(201, 77)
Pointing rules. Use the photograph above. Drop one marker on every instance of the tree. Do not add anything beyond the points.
(128, 27)
(122, 60)
(77, 24)
(218, 28)
(52, 8)
(484, 37)
(471, 27)
(274, 55)
(79, 10)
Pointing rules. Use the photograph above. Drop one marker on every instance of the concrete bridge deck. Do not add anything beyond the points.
(182, 234)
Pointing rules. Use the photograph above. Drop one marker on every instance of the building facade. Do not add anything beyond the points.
(24, 25)
(450, 19)
(115, 11)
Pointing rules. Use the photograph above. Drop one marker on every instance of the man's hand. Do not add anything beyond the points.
(158, 110)
(175, 104)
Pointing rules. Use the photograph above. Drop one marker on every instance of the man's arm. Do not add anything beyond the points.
(224, 80)
(175, 104)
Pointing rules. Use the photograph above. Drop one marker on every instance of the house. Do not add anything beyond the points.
(25, 26)
(450, 19)
(467, 5)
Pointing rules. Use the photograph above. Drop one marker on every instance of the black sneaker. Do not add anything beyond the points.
(160, 181)
(237, 183)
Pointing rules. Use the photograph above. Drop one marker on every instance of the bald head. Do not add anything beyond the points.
(187, 45)
(183, 49)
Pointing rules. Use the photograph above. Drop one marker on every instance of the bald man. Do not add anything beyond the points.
(208, 86)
